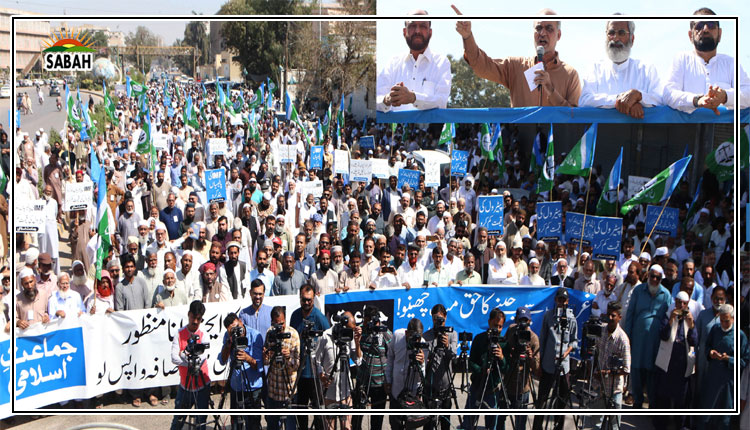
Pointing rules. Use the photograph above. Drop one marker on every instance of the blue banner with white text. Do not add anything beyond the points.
(491, 213)
(459, 162)
(668, 221)
(549, 221)
(49, 362)
(216, 185)
(410, 177)
(604, 234)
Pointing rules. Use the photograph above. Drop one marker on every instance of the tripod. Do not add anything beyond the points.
(362, 390)
(494, 366)
(521, 366)
(280, 364)
(194, 376)
(414, 377)
(436, 397)
(463, 358)
(307, 352)
(238, 421)
(556, 397)
(607, 423)
(341, 366)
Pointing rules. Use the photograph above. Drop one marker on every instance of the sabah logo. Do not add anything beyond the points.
(69, 52)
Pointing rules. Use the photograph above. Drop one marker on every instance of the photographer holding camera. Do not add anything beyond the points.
(522, 351)
(338, 345)
(243, 348)
(371, 373)
(404, 372)
(558, 339)
(614, 363)
(281, 354)
(439, 389)
(487, 363)
(188, 353)
(310, 324)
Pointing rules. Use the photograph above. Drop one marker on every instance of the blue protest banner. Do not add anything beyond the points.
(459, 162)
(491, 214)
(549, 221)
(5, 372)
(216, 185)
(367, 142)
(604, 234)
(167, 101)
(316, 157)
(468, 306)
(170, 112)
(410, 177)
(668, 221)
(49, 362)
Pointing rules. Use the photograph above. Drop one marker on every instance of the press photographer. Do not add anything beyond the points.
(370, 386)
(404, 374)
(487, 364)
(613, 362)
(522, 350)
(339, 346)
(439, 389)
(558, 339)
(189, 354)
(310, 324)
(243, 349)
(281, 354)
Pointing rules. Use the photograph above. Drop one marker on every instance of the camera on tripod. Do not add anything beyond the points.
(494, 339)
(616, 364)
(592, 329)
(342, 334)
(308, 331)
(374, 326)
(239, 342)
(414, 343)
(465, 336)
(194, 349)
(440, 328)
(562, 317)
(274, 340)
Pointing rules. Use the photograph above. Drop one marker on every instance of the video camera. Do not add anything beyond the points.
(274, 340)
(440, 328)
(494, 339)
(616, 363)
(562, 317)
(194, 346)
(342, 334)
(592, 331)
(465, 336)
(414, 343)
(239, 342)
(374, 326)
(308, 331)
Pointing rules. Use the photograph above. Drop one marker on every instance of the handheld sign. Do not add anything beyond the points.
(367, 142)
(341, 162)
(160, 141)
(310, 187)
(216, 185)
(410, 177)
(29, 216)
(459, 162)
(316, 157)
(379, 168)
(288, 153)
(668, 222)
(78, 196)
(360, 170)
(635, 184)
(604, 234)
(491, 214)
(170, 111)
(216, 146)
(431, 173)
(549, 221)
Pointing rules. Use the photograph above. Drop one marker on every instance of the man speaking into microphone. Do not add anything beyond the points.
(554, 84)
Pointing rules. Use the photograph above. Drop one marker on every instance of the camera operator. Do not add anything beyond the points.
(371, 373)
(243, 348)
(486, 351)
(345, 334)
(309, 323)
(559, 333)
(188, 353)
(614, 362)
(522, 350)
(443, 342)
(281, 354)
(406, 349)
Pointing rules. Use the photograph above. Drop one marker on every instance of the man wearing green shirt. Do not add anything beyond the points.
(469, 276)
(436, 274)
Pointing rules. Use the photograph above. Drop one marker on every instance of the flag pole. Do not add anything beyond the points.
(583, 226)
(666, 202)
(617, 197)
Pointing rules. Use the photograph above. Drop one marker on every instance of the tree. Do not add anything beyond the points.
(470, 91)
(99, 39)
(141, 37)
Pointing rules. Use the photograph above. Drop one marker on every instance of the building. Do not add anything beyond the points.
(28, 41)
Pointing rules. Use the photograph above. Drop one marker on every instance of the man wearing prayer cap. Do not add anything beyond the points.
(31, 303)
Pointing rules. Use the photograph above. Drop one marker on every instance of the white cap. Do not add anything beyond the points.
(533, 260)
(25, 273)
(267, 196)
(661, 251)
(645, 255)
(704, 211)
(656, 268)
(31, 255)
(682, 295)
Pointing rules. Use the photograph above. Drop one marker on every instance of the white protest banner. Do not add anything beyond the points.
(81, 357)
(29, 216)
(635, 183)
(288, 153)
(235, 119)
(216, 146)
(78, 196)
(160, 141)
(310, 187)
(431, 173)
(360, 170)
(380, 168)
(340, 162)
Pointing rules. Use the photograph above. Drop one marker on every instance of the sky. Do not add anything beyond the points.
(582, 41)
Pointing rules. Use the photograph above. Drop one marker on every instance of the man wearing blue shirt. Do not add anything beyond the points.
(302, 261)
(309, 389)
(246, 370)
(257, 316)
(261, 271)
(171, 216)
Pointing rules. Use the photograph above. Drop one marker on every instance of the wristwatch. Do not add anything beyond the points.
(695, 100)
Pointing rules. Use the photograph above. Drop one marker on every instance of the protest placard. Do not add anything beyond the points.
(310, 187)
(160, 141)
(668, 221)
(360, 170)
(29, 216)
(216, 146)
(491, 210)
(459, 162)
(549, 221)
(379, 168)
(635, 183)
(316, 157)
(367, 142)
(78, 196)
(604, 234)
(410, 177)
(431, 173)
(340, 162)
(216, 185)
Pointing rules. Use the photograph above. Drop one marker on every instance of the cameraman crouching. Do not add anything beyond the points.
(522, 350)
(485, 359)
(404, 371)
(243, 348)
(614, 362)
(188, 353)
(281, 354)
(336, 348)
(438, 388)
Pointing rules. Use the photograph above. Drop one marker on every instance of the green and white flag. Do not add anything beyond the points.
(102, 224)
(581, 158)
(295, 118)
(3, 180)
(256, 99)
(109, 105)
(547, 173)
(447, 135)
(138, 89)
(144, 139)
(326, 121)
(660, 187)
(608, 199)
(721, 161)
(74, 111)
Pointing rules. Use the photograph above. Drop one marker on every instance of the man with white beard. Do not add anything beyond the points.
(81, 283)
(622, 83)
(152, 274)
(337, 259)
(161, 246)
(533, 278)
(167, 294)
(49, 241)
(605, 295)
(501, 268)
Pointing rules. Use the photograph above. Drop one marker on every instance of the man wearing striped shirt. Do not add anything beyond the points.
(371, 374)
(614, 361)
(281, 354)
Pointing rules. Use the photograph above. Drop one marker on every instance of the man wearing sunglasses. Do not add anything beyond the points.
(704, 78)
(623, 83)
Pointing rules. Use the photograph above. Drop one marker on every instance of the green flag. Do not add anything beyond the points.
(608, 199)
(3, 180)
(497, 139)
(721, 161)
(547, 173)
(581, 157)
(660, 187)
(74, 112)
(144, 139)
(485, 143)
(256, 100)
(109, 106)
(326, 121)
(137, 89)
(295, 118)
(446, 136)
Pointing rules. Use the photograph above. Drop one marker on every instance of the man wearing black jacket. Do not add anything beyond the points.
(561, 278)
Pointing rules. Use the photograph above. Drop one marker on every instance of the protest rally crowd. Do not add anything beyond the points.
(201, 194)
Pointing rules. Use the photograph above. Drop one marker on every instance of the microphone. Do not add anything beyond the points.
(539, 55)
